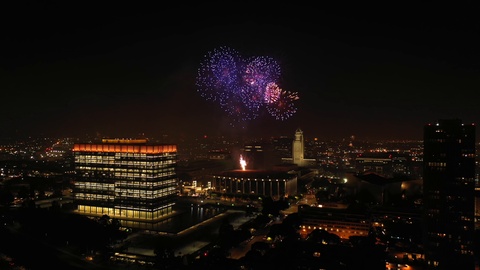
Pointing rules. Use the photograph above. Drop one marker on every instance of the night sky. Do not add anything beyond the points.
(120, 69)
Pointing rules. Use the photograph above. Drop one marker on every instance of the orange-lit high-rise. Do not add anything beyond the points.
(125, 179)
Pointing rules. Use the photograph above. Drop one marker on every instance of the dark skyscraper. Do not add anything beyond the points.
(449, 194)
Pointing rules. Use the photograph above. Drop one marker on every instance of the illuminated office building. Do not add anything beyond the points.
(125, 179)
(449, 194)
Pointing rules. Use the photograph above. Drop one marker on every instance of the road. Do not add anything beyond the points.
(242, 249)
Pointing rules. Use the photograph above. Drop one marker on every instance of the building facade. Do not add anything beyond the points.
(275, 184)
(259, 155)
(298, 148)
(449, 194)
(298, 151)
(125, 179)
(388, 164)
(339, 221)
(477, 208)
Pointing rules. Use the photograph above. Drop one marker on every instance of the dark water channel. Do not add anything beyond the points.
(191, 223)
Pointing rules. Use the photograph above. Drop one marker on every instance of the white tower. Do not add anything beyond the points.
(297, 148)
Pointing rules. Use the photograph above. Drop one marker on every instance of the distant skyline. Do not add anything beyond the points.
(70, 69)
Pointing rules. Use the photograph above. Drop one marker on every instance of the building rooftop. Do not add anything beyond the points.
(256, 174)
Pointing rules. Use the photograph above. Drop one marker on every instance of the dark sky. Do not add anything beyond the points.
(119, 69)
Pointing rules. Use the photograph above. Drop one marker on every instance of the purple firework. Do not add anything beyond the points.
(239, 112)
(218, 74)
(243, 87)
(259, 72)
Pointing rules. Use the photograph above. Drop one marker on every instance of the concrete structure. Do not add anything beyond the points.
(339, 221)
(298, 148)
(387, 164)
(477, 208)
(259, 155)
(298, 151)
(275, 184)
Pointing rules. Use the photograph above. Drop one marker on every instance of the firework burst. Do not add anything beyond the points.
(243, 87)
(218, 74)
(272, 93)
(284, 107)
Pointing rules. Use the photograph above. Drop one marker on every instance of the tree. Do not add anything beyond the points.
(292, 220)
(6, 197)
(23, 192)
(226, 234)
(281, 231)
(104, 220)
